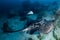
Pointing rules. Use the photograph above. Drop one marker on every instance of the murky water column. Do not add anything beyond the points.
(15, 15)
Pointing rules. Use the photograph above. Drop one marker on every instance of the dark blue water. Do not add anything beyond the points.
(14, 14)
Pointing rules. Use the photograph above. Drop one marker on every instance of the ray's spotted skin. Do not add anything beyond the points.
(42, 26)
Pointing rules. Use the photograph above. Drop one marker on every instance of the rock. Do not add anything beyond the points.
(57, 29)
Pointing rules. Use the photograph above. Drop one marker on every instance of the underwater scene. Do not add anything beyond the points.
(29, 20)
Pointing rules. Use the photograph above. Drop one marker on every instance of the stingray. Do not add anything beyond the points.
(42, 26)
